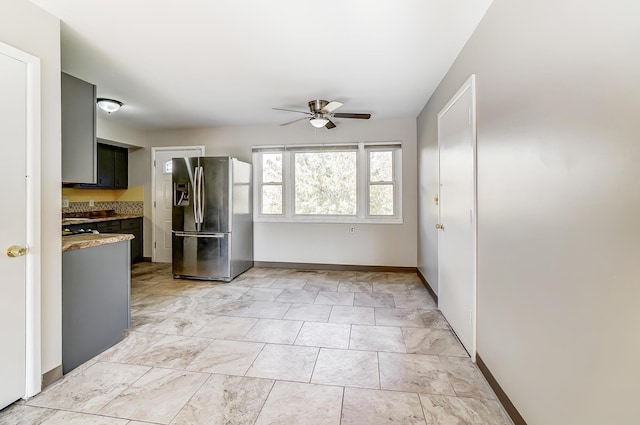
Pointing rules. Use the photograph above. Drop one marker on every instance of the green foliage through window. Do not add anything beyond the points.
(325, 183)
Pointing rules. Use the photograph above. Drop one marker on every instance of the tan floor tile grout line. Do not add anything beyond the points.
(342, 404)
(315, 363)
(379, 373)
(254, 360)
(265, 399)
(190, 398)
(422, 408)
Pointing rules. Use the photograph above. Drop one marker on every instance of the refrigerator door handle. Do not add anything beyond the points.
(199, 197)
(195, 197)
(199, 235)
(202, 195)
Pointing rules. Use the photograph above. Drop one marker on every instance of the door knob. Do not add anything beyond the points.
(16, 251)
(440, 226)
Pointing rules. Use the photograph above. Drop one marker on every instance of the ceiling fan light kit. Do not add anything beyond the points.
(319, 122)
(109, 105)
(321, 112)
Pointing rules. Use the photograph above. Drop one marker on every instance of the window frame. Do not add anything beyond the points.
(363, 183)
(392, 182)
(260, 170)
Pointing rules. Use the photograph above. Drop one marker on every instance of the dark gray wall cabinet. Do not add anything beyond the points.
(121, 168)
(113, 167)
(78, 130)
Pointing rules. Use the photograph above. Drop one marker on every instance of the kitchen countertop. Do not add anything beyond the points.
(88, 240)
(68, 221)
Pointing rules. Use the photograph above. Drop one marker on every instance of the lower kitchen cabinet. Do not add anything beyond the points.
(95, 301)
(134, 227)
(129, 225)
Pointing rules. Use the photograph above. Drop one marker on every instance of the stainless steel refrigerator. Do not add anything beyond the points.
(212, 218)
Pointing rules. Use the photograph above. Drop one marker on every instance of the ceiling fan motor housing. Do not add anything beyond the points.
(316, 106)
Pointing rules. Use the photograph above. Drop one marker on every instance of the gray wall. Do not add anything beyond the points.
(558, 204)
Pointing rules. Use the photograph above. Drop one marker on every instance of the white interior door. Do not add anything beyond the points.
(457, 236)
(163, 197)
(13, 288)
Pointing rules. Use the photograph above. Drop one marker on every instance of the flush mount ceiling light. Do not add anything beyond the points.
(109, 105)
(318, 122)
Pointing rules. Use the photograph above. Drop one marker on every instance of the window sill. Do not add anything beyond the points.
(316, 220)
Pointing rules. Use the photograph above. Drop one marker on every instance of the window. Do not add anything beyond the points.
(168, 167)
(328, 183)
(381, 183)
(271, 189)
(325, 183)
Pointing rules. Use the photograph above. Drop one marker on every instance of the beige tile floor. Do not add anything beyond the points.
(275, 346)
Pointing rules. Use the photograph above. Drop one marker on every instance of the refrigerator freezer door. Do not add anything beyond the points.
(214, 184)
(185, 201)
(201, 256)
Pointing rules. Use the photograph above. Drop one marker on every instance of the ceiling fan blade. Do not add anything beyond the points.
(330, 125)
(350, 115)
(291, 122)
(291, 110)
(331, 106)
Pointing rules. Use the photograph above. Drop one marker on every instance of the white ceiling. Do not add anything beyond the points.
(211, 63)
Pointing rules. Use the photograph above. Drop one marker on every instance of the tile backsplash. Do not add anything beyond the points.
(120, 207)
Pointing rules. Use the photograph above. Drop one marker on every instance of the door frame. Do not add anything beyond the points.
(469, 84)
(33, 375)
(154, 151)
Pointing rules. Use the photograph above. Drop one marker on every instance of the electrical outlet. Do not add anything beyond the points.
(352, 229)
(65, 203)
(91, 203)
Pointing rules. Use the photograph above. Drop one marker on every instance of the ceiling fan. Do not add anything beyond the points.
(321, 112)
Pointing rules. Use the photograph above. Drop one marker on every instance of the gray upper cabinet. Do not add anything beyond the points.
(78, 130)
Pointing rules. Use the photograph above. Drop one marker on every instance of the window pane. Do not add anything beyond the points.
(272, 167)
(380, 166)
(325, 183)
(272, 199)
(381, 199)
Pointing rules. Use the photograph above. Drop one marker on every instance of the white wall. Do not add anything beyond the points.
(28, 28)
(107, 129)
(388, 245)
(558, 204)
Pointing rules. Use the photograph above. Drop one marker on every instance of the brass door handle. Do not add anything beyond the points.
(16, 251)
(440, 226)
